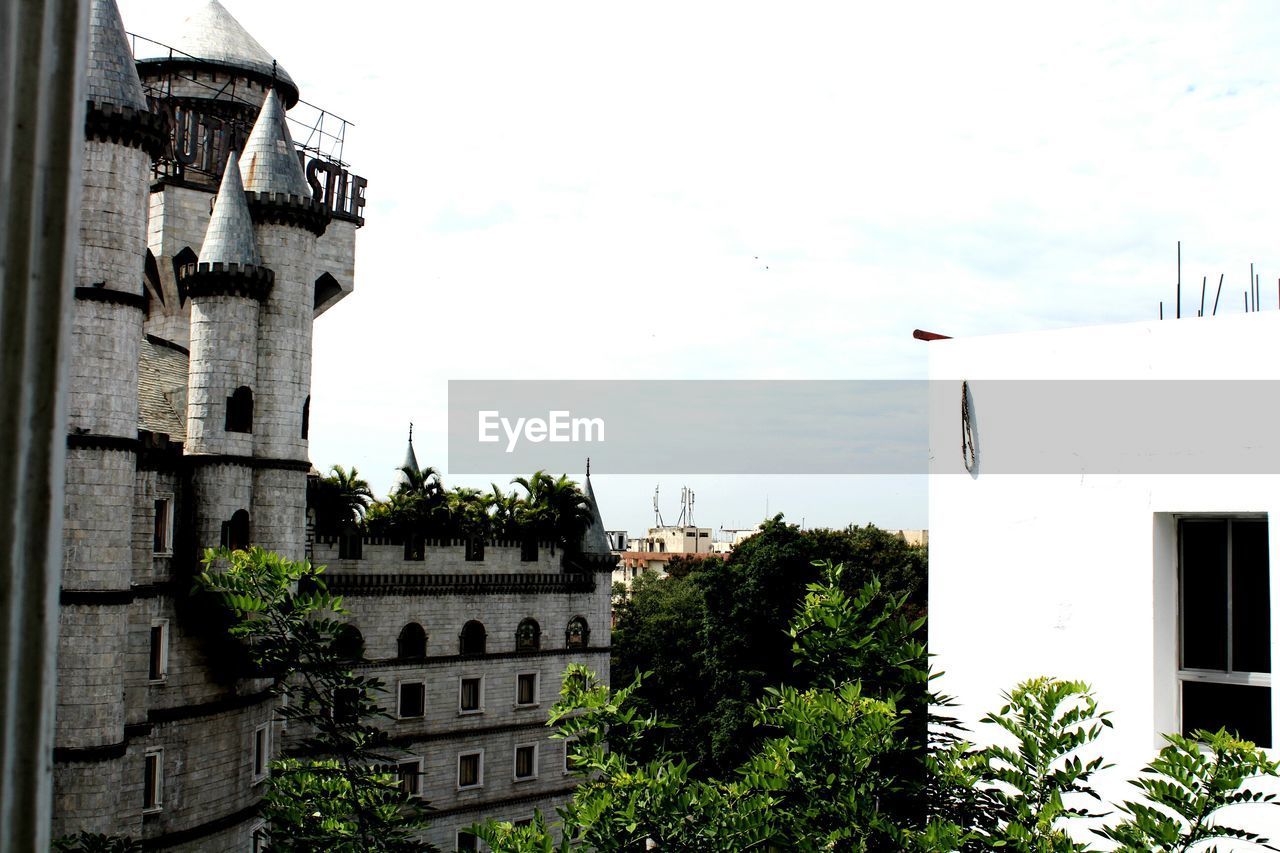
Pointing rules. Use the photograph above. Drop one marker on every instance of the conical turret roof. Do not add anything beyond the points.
(410, 462)
(229, 238)
(594, 540)
(269, 163)
(212, 35)
(113, 76)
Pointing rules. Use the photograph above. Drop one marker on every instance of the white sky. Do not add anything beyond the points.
(747, 190)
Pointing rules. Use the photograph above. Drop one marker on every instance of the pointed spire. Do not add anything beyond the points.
(269, 163)
(229, 238)
(594, 540)
(212, 35)
(112, 77)
(410, 462)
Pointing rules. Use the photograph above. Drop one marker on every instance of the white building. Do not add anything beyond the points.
(1133, 551)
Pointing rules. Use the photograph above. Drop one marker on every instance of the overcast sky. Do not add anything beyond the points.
(746, 190)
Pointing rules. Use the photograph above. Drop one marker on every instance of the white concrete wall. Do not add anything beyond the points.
(1074, 575)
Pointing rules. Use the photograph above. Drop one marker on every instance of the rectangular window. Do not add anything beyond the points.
(529, 551)
(415, 547)
(469, 698)
(527, 689)
(1225, 626)
(162, 543)
(569, 744)
(259, 838)
(475, 550)
(153, 780)
(158, 653)
(261, 752)
(471, 770)
(467, 841)
(524, 821)
(350, 546)
(410, 775)
(412, 699)
(526, 762)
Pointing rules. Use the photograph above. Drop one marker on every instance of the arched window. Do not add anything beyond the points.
(528, 636)
(412, 643)
(240, 410)
(471, 640)
(577, 633)
(235, 533)
(306, 416)
(348, 643)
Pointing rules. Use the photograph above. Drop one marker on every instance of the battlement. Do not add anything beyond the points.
(388, 555)
(287, 209)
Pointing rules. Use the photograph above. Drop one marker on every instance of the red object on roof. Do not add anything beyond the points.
(922, 335)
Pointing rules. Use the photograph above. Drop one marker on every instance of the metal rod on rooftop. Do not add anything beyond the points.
(1204, 283)
(1219, 294)
(1178, 310)
(1161, 310)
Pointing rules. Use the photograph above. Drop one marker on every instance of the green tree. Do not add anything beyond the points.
(334, 794)
(339, 499)
(730, 640)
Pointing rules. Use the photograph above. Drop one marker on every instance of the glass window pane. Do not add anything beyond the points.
(1250, 597)
(1242, 709)
(1204, 594)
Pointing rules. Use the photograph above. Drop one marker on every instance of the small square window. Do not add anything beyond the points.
(158, 653)
(471, 769)
(412, 700)
(470, 698)
(467, 841)
(410, 776)
(526, 762)
(153, 780)
(162, 542)
(261, 752)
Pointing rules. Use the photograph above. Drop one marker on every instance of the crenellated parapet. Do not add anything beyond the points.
(124, 125)
(226, 279)
(289, 209)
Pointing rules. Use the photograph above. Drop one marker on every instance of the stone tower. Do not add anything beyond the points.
(92, 753)
(287, 222)
(202, 267)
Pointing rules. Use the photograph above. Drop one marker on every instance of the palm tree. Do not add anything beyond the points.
(340, 499)
(554, 509)
(504, 507)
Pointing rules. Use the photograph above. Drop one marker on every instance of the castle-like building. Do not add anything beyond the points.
(209, 243)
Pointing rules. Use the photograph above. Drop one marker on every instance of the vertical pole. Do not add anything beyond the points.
(43, 45)
(1178, 309)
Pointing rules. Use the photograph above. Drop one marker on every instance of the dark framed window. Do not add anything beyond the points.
(410, 775)
(467, 841)
(412, 642)
(527, 688)
(306, 416)
(576, 634)
(529, 550)
(415, 547)
(350, 546)
(412, 700)
(162, 540)
(472, 639)
(240, 410)
(475, 550)
(261, 751)
(526, 762)
(470, 769)
(528, 636)
(346, 706)
(235, 533)
(348, 643)
(469, 695)
(153, 780)
(158, 652)
(1224, 621)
